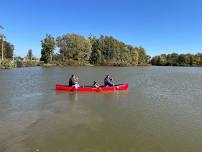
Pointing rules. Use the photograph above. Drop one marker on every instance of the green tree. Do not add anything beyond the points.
(183, 60)
(18, 58)
(103, 50)
(142, 59)
(159, 60)
(95, 57)
(74, 47)
(197, 59)
(155, 60)
(134, 56)
(175, 59)
(113, 52)
(125, 58)
(48, 45)
(8, 50)
(2, 44)
(29, 54)
(162, 59)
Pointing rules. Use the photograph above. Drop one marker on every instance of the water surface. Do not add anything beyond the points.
(161, 112)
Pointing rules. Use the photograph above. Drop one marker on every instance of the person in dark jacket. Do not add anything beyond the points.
(73, 81)
(108, 81)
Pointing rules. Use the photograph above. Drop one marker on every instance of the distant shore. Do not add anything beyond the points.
(9, 64)
(21, 64)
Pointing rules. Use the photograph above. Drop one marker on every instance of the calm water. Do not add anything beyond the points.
(161, 112)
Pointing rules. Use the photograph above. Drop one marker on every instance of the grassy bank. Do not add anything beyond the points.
(8, 64)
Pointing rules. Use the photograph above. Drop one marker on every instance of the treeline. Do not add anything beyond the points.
(75, 49)
(8, 52)
(7, 57)
(175, 59)
(8, 49)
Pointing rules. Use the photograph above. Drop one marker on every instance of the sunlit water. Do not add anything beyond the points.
(161, 112)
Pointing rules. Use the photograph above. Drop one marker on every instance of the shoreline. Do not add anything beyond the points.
(63, 66)
(49, 65)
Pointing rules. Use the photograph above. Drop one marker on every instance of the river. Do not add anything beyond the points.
(161, 111)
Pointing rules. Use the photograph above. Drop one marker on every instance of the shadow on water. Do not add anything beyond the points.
(72, 96)
(75, 96)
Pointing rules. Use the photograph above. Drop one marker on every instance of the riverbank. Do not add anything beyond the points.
(28, 63)
(50, 65)
(9, 64)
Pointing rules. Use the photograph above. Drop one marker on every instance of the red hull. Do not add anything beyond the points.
(91, 89)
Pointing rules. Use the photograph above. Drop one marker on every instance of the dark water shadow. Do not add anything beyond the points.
(75, 96)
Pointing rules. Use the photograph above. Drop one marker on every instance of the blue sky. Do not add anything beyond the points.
(160, 26)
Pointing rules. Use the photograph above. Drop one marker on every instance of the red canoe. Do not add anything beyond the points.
(91, 89)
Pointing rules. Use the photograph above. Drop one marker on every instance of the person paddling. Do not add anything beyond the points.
(73, 81)
(108, 81)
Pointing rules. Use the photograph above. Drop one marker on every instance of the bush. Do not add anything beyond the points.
(56, 62)
(28, 63)
(8, 64)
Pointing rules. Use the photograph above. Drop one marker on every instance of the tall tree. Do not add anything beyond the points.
(134, 56)
(29, 54)
(95, 57)
(48, 45)
(2, 44)
(8, 50)
(110, 48)
(125, 57)
(74, 47)
(142, 56)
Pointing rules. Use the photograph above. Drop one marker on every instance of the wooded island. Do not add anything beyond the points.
(75, 49)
